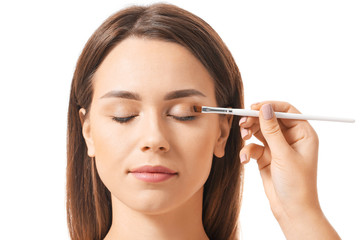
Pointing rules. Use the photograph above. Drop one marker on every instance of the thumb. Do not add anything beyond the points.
(271, 131)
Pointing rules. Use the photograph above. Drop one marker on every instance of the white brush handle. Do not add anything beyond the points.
(254, 113)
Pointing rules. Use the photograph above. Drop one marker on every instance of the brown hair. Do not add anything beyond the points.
(89, 211)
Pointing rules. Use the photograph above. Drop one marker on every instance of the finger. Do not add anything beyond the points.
(271, 131)
(281, 107)
(257, 152)
(248, 122)
(294, 130)
(250, 126)
(243, 120)
(256, 131)
(277, 105)
(245, 133)
(251, 150)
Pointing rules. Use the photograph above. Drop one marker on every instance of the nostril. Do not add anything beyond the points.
(148, 148)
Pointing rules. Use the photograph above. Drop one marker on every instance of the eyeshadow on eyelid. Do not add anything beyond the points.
(181, 108)
(119, 110)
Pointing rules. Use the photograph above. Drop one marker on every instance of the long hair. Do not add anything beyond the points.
(88, 201)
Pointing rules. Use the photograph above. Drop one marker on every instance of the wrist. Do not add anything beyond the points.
(306, 223)
(297, 210)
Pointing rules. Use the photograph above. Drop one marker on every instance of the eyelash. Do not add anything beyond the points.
(122, 120)
(187, 118)
(127, 119)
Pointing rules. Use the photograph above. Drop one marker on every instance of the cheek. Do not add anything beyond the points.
(105, 138)
(111, 147)
(196, 146)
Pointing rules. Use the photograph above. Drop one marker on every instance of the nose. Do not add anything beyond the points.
(154, 136)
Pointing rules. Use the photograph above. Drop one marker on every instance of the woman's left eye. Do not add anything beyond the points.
(186, 118)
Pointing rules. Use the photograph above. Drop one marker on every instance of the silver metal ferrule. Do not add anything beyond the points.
(215, 110)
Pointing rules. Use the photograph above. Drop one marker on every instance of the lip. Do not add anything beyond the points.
(152, 169)
(153, 174)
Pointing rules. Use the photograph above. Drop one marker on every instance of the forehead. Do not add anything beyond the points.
(151, 68)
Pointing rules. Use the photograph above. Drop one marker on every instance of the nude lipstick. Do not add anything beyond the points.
(153, 174)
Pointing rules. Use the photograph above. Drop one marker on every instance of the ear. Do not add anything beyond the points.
(85, 123)
(225, 122)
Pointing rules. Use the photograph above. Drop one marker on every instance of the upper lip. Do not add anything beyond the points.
(153, 169)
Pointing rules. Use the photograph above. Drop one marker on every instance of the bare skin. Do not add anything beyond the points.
(154, 130)
(288, 168)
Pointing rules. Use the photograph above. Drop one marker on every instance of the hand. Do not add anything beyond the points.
(287, 164)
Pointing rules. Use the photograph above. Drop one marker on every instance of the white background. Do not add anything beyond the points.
(304, 52)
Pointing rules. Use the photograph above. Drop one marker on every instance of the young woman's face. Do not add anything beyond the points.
(142, 115)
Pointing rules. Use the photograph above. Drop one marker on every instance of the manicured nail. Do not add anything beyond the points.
(242, 120)
(267, 111)
(244, 132)
(243, 157)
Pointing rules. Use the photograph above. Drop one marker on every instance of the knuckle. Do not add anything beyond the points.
(272, 129)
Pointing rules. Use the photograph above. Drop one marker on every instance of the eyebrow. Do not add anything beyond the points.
(183, 93)
(122, 94)
(169, 96)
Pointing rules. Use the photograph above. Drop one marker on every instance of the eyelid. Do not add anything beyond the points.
(123, 119)
(182, 110)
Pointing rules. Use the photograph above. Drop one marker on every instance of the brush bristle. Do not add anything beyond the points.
(197, 109)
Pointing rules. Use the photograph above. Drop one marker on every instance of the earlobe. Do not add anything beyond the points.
(225, 127)
(85, 123)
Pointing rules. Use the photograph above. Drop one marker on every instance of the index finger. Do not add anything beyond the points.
(282, 107)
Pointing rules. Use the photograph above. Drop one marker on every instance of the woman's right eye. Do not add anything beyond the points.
(123, 119)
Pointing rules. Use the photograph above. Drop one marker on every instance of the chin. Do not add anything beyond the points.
(153, 205)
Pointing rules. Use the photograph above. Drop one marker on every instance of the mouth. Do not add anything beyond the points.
(153, 174)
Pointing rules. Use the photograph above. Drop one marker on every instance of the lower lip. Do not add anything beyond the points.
(153, 177)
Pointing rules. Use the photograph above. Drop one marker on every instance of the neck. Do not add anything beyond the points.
(182, 222)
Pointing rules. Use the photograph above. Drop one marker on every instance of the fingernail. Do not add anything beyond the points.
(242, 120)
(243, 157)
(244, 132)
(267, 111)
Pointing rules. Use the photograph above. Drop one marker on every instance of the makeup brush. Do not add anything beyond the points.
(254, 113)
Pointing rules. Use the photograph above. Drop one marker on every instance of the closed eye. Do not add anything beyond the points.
(186, 118)
(123, 119)
(127, 119)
